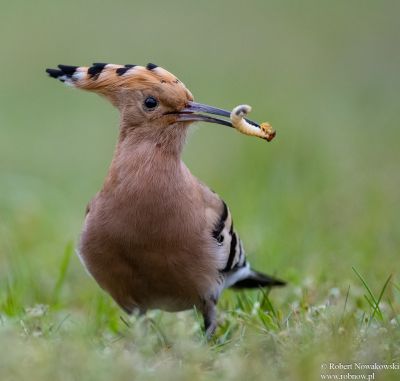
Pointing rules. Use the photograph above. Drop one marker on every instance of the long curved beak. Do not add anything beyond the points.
(197, 112)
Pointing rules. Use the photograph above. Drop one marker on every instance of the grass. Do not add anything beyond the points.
(257, 338)
(318, 206)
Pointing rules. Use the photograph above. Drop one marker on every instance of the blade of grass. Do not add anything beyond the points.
(63, 272)
(380, 297)
(266, 303)
(370, 293)
(362, 319)
(340, 321)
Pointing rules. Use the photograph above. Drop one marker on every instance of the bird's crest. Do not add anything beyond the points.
(108, 79)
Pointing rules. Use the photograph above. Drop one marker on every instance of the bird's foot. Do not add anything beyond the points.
(210, 318)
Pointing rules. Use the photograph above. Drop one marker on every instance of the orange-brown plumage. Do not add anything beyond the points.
(155, 236)
(109, 83)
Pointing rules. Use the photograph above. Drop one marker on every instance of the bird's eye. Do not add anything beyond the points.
(150, 103)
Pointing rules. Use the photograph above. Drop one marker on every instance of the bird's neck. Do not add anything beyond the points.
(148, 193)
(146, 157)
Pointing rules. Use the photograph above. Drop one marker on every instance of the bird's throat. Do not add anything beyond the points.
(147, 159)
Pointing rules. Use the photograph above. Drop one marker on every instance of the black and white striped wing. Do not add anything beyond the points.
(231, 251)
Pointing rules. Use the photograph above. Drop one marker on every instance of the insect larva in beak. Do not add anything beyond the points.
(263, 131)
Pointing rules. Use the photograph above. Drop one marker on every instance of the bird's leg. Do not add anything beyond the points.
(209, 311)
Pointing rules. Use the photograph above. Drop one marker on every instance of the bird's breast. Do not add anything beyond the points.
(145, 239)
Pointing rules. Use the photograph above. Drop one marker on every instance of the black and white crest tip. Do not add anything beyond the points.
(64, 73)
(68, 69)
(122, 70)
(151, 66)
(54, 73)
(95, 70)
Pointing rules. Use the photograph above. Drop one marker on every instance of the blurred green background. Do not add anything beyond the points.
(322, 197)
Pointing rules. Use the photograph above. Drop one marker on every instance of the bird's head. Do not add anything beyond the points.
(148, 96)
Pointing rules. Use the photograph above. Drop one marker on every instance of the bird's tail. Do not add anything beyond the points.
(256, 279)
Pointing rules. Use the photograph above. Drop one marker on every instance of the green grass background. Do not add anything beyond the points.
(319, 200)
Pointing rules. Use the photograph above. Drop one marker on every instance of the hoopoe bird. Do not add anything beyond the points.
(154, 236)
